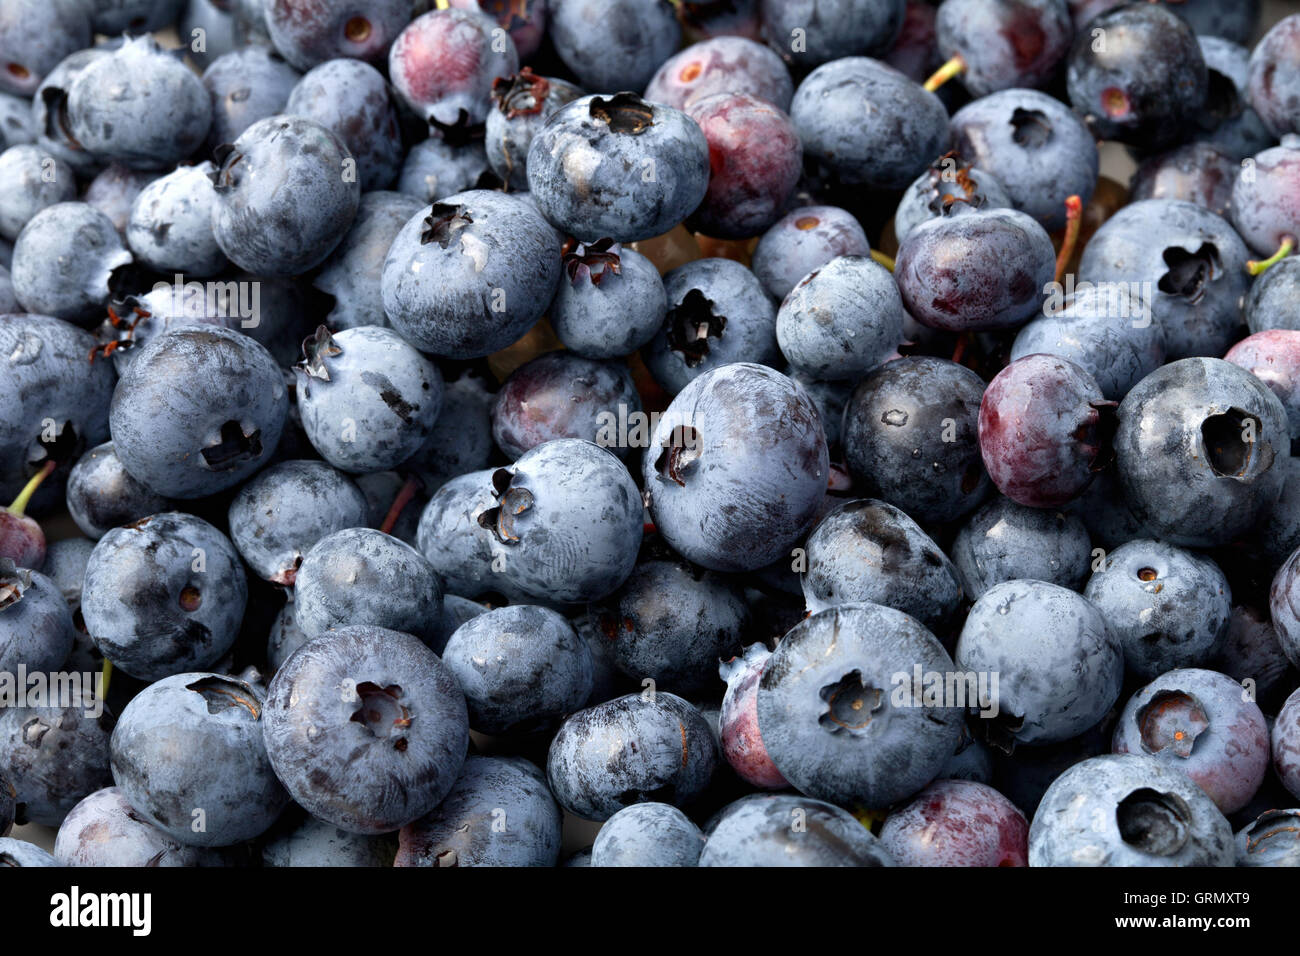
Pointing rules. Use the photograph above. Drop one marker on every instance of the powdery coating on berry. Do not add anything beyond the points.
(36, 630)
(1266, 198)
(444, 62)
(30, 180)
(314, 843)
(613, 44)
(802, 241)
(451, 537)
(435, 169)
(308, 32)
(523, 105)
(246, 85)
(1004, 541)
(351, 99)
(54, 757)
(1270, 840)
(957, 823)
(648, 834)
(170, 225)
(353, 274)
(105, 830)
(38, 35)
(615, 316)
(1196, 173)
(789, 830)
(742, 744)
(1286, 744)
(64, 259)
(928, 196)
(1273, 85)
(725, 64)
(831, 30)
(1274, 298)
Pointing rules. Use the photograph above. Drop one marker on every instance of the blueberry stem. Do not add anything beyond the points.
(403, 498)
(883, 259)
(945, 73)
(1257, 266)
(106, 674)
(1073, 216)
(960, 349)
(25, 496)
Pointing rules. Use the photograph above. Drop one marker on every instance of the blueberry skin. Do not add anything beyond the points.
(739, 455)
(924, 199)
(367, 398)
(721, 64)
(633, 749)
(193, 742)
(1273, 87)
(246, 85)
(36, 35)
(135, 16)
(49, 102)
(1238, 130)
(17, 853)
(216, 22)
(618, 167)
(63, 261)
(1128, 810)
(499, 813)
(278, 516)
(434, 169)
(1005, 45)
(648, 834)
(169, 307)
(307, 34)
(831, 29)
(284, 638)
(36, 629)
(903, 407)
(381, 752)
(114, 190)
(223, 405)
(1195, 172)
(8, 304)
(351, 99)
(803, 241)
(461, 440)
(522, 105)
(1286, 744)
(65, 565)
(1105, 331)
(453, 539)
(31, 180)
(675, 643)
(842, 320)
(1037, 149)
(905, 127)
(316, 844)
(1269, 840)
(635, 37)
(820, 675)
(470, 274)
(760, 830)
(1284, 606)
(717, 314)
(1004, 541)
(46, 377)
(140, 106)
(567, 522)
(7, 797)
(1061, 666)
(1176, 245)
(164, 595)
(1273, 301)
(289, 218)
(868, 551)
(1186, 472)
(521, 668)
(105, 830)
(957, 823)
(830, 399)
(15, 121)
(602, 314)
(1252, 650)
(170, 228)
(1265, 204)
(353, 274)
(363, 576)
(54, 757)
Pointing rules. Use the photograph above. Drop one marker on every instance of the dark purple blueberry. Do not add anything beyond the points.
(351, 98)
(945, 182)
(1266, 197)
(614, 44)
(55, 755)
(741, 742)
(1273, 357)
(105, 830)
(1004, 43)
(1196, 173)
(1230, 124)
(916, 51)
(1274, 84)
(102, 495)
(724, 64)
(443, 64)
(957, 823)
(461, 440)
(808, 33)
(1004, 541)
(246, 85)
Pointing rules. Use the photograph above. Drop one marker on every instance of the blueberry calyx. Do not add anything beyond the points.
(523, 94)
(1190, 272)
(677, 454)
(233, 447)
(1172, 720)
(56, 116)
(1032, 128)
(443, 223)
(225, 158)
(380, 710)
(511, 502)
(13, 582)
(222, 694)
(1154, 822)
(316, 348)
(592, 260)
(1233, 446)
(624, 113)
(690, 325)
(459, 132)
(851, 703)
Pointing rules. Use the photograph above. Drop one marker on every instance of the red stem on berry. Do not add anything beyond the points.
(1073, 217)
(403, 498)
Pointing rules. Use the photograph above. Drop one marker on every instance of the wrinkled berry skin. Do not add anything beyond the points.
(351, 99)
(841, 321)
(1273, 84)
(31, 180)
(1266, 198)
(309, 32)
(1273, 357)
(313, 843)
(466, 829)
(364, 576)
(761, 830)
(1040, 428)
(907, 127)
(566, 524)
(724, 64)
(470, 274)
(1286, 744)
(522, 105)
(614, 44)
(63, 261)
(741, 743)
(366, 728)
(632, 749)
(35, 36)
(198, 411)
(829, 706)
(603, 314)
(869, 551)
(1128, 810)
(618, 167)
(367, 398)
(54, 757)
(353, 274)
(1121, 92)
(444, 62)
(1199, 722)
(170, 227)
(140, 106)
(522, 668)
(926, 197)
(1270, 840)
(105, 830)
(831, 30)
(1060, 666)
(1004, 541)
(1188, 472)
(717, 315)
(283, 199)
(561, 395)
(152, 608)
(1004, 45)
(194, 742)
(739, 456)
(802, 241)
(278, 516)
(648, 834)
(246, 85)
(957, 823)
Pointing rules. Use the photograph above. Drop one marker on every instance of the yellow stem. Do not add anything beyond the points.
(25, 496)
(883, 259)
(1255, 267)
(945, 73)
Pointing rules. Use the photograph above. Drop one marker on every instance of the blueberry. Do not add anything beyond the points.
(246, 85)
(722, 64)
(739, 455)
(1286, 744)
(114, 189)
(366, 728)
(49, 111)
(170, 227)
(970, 760)
(8, 303)
(1106, 514)
(351, 99)
(105, 830)
(36, 629)
(945, 182)
(1197, 448)
(134, 16)
(453, 538)
(803, 241)
(435, 169)
(1233, 126)
(522, 668)
(276, 517)
(1004, 541)
(187, 753)
(499, 813)
(1004, 45)
(362, 576)
(789, 830)
(35, 36)
(1284, 605)
(522, 105)
(1266, 197)
(830, 399)
(609, 302)
(284, 638)
(18, 853)
(639, 35)
(470, 274)
(633, 749)
(739, 739)
(287, 191)
(1060, 666)
(524, 20)
(1236, 21)
(30, 180)
(64, 262)
(55, 756)
(717, 314)
(1272, 83)
(648, 834)
(866, 123)
(1253, 651)
(16, 125)
(1273, 301)
(1270, 840)
(808, 33)
(133, 320)
(223, 402)
(164, 595)
(618, 167)
(219, 28)
(1196, 172)
(309, 32)
(957, 823)
(461, 440)
(314, 843)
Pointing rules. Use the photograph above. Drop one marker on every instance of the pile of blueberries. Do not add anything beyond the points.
(755, 427)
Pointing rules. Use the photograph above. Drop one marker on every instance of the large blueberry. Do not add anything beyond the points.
(648, 834)
(609, 302)
(1004, 541)
(789, 830)
(55, 755)
(36, 629)
(351, 99)
(634, 38)
(64, 261)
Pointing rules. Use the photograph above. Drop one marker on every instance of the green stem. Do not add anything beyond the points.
(25, 496)
(1255, 267)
